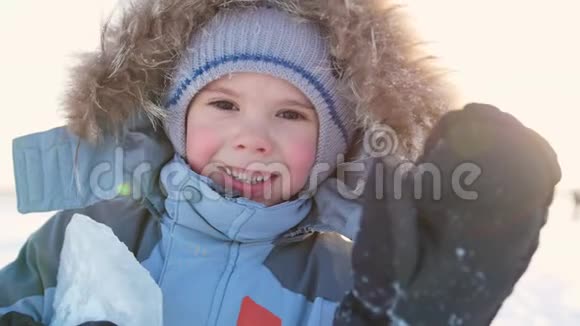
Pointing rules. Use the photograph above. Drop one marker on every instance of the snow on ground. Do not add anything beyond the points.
(547, 294)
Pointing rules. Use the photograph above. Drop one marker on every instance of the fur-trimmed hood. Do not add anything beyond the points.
(377, 54)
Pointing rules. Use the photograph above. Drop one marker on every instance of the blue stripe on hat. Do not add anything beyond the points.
(262, 58)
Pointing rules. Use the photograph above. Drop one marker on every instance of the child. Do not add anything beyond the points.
(259, 100)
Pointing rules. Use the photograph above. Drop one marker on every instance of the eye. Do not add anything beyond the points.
(223, 105)
(291, 115)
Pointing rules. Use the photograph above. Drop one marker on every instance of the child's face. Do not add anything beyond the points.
(254, 124)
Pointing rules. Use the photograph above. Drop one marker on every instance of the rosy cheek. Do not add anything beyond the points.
(201, 145)
(300, 158)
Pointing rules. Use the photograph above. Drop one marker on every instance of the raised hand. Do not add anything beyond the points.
(449, 252)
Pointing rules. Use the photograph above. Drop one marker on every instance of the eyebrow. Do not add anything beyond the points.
(296, 103)
(227, 91)
(287, 102)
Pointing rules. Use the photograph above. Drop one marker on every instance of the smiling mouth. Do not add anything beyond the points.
(247, 176)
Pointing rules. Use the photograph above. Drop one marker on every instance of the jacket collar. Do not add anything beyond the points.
(194, 201)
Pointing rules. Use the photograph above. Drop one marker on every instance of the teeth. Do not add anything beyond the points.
(266, 178)
(246, 178)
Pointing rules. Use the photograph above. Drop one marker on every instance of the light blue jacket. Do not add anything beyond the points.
(217, 260)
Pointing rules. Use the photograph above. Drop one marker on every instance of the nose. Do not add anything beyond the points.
(253, 143)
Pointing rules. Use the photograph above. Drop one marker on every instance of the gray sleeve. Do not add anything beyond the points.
(26, 284)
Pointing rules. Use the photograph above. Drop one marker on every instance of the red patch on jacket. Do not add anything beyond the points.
(252, 314)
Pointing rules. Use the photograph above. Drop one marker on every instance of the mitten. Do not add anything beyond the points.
(17, 319)
(14, 318)
(447, 245)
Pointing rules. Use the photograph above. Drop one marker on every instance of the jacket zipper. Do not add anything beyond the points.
(233, 253)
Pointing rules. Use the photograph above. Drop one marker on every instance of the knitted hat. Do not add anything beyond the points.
(270, 41)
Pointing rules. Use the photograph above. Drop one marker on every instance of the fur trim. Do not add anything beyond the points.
(377, 54)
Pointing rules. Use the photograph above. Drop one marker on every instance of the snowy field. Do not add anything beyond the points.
(547, 294)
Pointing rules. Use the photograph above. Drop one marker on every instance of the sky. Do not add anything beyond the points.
(518, 55)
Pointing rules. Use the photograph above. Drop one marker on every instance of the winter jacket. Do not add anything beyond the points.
(217, 262)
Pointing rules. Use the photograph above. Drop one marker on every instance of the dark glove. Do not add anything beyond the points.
(17, 319)
(14, 318)
(442, 257)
